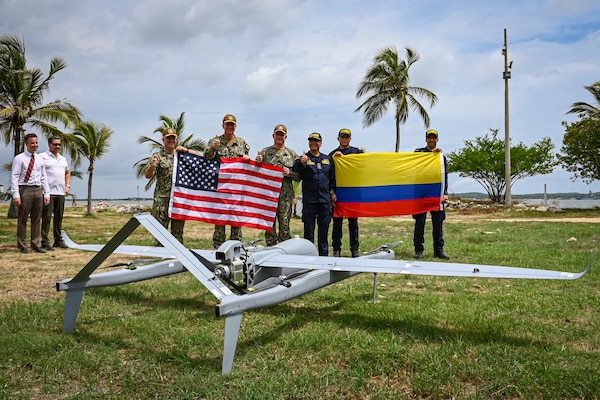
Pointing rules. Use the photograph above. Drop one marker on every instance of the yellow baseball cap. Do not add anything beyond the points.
(431, 132)
(315, 135)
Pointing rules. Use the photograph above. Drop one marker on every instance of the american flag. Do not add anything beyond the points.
(226, 191)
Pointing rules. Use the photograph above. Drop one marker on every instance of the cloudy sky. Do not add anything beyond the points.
(299, 62)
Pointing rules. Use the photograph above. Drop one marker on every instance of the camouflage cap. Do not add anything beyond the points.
(169, 132)
(280, 128)
(229, 118)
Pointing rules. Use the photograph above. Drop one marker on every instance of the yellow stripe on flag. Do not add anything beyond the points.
(383, 169)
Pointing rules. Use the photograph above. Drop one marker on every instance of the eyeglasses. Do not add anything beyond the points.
(56, 144)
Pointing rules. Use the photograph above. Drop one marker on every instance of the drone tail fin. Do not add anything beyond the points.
(232, 331)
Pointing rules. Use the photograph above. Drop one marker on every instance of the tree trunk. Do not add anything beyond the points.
(89, 194)
(18, 133)
(17, 136)
(397, 135)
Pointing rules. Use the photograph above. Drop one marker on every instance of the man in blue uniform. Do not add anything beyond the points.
(344, 138)
(437, 217)
(317, 173)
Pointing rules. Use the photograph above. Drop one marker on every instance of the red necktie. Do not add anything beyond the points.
(30, 168)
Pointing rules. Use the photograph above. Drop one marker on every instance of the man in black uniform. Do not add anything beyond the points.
(317, 173)
(437, 217)
(344, 138)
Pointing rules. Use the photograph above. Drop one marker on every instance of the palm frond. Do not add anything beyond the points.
(584, 109)
(22, 92)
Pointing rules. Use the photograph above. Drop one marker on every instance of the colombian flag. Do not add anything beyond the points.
(387, 184)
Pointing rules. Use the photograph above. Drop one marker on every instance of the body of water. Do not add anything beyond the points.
(113, 202)
(563, 203)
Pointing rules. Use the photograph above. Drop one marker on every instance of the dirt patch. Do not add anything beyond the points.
(33, 276)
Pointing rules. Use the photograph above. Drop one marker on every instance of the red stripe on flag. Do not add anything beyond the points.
(396, 207)
(208, 213)
(198, 202)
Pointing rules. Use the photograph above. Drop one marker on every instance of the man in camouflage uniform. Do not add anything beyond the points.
(282, 156)
(161, 166)
(228, 145)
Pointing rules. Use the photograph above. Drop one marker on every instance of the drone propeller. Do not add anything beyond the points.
(132, 264)
(218, 272)
(251, 243)
(393, 244)
(384, 247)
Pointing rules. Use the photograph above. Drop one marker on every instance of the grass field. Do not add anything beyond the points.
(425, 338)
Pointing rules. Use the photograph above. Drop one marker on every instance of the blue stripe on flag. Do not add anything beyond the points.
(369, 194)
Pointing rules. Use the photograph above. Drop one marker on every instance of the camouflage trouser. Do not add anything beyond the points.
(160, 211)
(219, 236)
(284, 214)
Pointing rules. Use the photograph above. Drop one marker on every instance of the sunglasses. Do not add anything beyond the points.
(56, 144)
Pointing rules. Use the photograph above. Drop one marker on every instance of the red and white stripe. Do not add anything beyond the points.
(247, 196)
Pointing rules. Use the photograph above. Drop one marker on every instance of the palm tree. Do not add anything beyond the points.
(21, 99)
(387, 80)
(92, 141)
(155, 145)
(588, 110)
(21, 96)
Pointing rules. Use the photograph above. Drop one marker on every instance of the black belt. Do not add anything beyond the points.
(31, 186)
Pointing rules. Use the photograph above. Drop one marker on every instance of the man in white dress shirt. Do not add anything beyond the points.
(59, 181)
(30, 191)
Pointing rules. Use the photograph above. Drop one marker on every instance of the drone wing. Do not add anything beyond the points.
(361, 264)
(143, 251)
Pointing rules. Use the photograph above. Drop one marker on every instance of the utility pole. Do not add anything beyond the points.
(506, 77)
